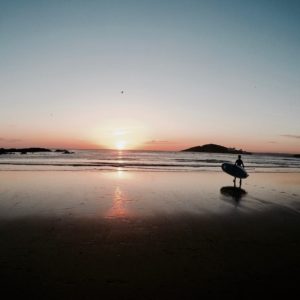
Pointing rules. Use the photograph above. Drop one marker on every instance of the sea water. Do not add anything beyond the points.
(145, 161)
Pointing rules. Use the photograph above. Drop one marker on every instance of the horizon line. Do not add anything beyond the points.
(157, 150)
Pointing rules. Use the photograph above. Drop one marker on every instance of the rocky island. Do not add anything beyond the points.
(213, 148)
(29, 150)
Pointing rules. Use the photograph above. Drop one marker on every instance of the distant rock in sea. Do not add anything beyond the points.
(31, 150)
(63, 151)
(213, 148)
(23, 150)
(297, 155)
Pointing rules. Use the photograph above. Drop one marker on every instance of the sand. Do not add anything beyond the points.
(148, 235)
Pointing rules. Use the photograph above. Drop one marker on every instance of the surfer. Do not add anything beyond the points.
(239, 163)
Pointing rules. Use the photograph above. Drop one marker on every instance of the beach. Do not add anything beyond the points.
(148, 235)
(121, 126)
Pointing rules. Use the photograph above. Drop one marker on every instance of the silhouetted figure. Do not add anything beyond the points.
(239, 163)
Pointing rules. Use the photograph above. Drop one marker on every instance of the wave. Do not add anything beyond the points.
(142, 167)
(141, 160)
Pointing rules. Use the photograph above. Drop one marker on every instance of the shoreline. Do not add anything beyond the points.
(4, 167)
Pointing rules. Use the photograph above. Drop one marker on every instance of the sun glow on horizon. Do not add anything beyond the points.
(121, 134)
(120, 145)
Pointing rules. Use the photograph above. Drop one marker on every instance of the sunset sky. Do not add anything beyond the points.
(155, 74)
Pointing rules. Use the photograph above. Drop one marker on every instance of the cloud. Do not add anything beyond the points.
(291, 136)
(272, 142)
(10, 140)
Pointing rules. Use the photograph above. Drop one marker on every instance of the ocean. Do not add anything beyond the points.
(145, 161)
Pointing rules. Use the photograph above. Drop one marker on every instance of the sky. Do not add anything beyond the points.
(150, 74)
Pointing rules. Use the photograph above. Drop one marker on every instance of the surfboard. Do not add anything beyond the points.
(234, 170)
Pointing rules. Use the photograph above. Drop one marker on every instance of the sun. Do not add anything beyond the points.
(120, 145)
(120, 134)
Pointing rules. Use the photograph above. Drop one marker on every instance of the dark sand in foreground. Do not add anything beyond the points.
(148, 235)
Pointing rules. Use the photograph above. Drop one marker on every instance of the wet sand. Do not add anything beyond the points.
(148, 235)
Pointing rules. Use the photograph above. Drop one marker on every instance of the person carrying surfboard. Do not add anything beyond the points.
(239, 163)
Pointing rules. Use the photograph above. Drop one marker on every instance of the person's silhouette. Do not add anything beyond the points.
(239, 163)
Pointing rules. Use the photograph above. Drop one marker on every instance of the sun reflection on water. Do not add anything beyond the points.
(118, 209)
(120, 159)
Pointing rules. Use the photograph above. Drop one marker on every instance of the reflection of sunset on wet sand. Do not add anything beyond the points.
(123, 194)
(118, 209)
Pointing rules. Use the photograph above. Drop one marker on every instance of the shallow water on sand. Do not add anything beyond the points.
(132, 194)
